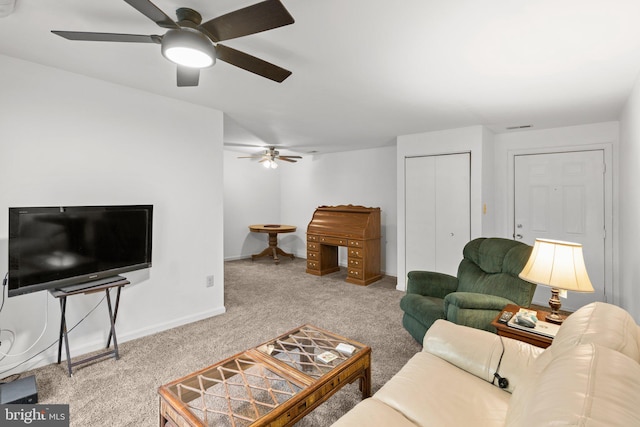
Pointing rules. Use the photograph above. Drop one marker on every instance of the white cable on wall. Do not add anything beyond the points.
(44, 328)
(53, 343)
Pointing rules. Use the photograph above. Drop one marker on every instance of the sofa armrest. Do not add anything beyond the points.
(431, 283)
(479, 352)
(472, 300)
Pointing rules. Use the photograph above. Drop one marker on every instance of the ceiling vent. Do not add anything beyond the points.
(6, 7)
(519, 127)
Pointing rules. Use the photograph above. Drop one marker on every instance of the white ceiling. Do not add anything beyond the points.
(365, 71)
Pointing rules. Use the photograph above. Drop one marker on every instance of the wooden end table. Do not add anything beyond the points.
(272, 250)
(518, 334)
(274, 384)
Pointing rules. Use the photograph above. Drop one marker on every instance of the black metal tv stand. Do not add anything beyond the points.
(88, 288)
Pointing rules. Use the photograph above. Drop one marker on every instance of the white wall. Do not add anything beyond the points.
(629, 204)
(474, 140)
(251, 196)
(360, 177)
(70, 140)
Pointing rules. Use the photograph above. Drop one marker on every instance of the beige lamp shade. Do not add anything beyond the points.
(558, 265)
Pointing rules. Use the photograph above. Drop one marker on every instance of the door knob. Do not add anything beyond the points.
(519, 236)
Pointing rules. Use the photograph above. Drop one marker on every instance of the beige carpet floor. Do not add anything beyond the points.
(263, 300)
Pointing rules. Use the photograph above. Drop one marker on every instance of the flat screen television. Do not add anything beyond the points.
(56, 247)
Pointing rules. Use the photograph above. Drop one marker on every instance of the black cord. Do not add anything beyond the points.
(53, 343)
(4, 284)
(502, 382)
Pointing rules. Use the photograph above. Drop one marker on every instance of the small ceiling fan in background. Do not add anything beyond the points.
(194, 45)
(269, 157)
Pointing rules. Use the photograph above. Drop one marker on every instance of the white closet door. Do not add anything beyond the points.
(437, 211)
(420, 213)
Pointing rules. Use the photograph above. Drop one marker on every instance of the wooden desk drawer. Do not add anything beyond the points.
(312, 238)
(356, 243)
(312, 246)
(314, 256)
(313, 265)
(333, 241)
(355, 262)
(354, 272)
(356, 253)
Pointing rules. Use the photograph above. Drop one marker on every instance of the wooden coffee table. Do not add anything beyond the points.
(275, 384)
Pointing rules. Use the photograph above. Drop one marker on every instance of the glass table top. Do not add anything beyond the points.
(311, 350)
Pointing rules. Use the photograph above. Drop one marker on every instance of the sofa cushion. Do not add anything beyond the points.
(497, 255)
(422, 308)
(598, 323)
(480, 353)
(372, 412)
(603, 324)
(431, 392)
(491, 266)
(588, 385)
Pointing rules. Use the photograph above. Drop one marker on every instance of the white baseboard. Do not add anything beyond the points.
(51, 355)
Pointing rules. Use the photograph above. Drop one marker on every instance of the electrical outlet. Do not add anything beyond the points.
(209, 281)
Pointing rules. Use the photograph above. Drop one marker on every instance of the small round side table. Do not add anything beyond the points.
(273, 230)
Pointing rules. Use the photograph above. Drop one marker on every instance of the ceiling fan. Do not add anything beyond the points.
(268, 158)
(194, 45)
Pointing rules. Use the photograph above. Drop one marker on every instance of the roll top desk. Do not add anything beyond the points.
(357, 228)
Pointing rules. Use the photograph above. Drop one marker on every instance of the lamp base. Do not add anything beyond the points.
(555, 304)
(554, 318)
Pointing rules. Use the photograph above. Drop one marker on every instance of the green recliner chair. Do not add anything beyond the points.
(487, 281)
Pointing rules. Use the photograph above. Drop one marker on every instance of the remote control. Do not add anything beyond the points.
(505, 316)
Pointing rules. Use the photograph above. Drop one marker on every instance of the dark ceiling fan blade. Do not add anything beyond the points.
(259, 17)
(251, 63)
(290, 157)
(154, 13)
(108, 37)
(188, 76)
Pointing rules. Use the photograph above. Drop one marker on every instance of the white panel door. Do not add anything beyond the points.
(437, 211)
(560, 196)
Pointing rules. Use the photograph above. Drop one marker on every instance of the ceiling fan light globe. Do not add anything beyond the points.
(189, 48)
(274, 165)
(267, 164)
(188, 57)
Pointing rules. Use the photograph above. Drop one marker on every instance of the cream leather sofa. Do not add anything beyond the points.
(589, 376)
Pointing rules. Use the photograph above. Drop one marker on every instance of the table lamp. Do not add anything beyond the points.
(560, 266)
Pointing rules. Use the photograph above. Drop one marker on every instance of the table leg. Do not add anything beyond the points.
(115, 315)
(273, 250)
(113, 326)
(365, 383)
(63, 301)
(65, 334)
